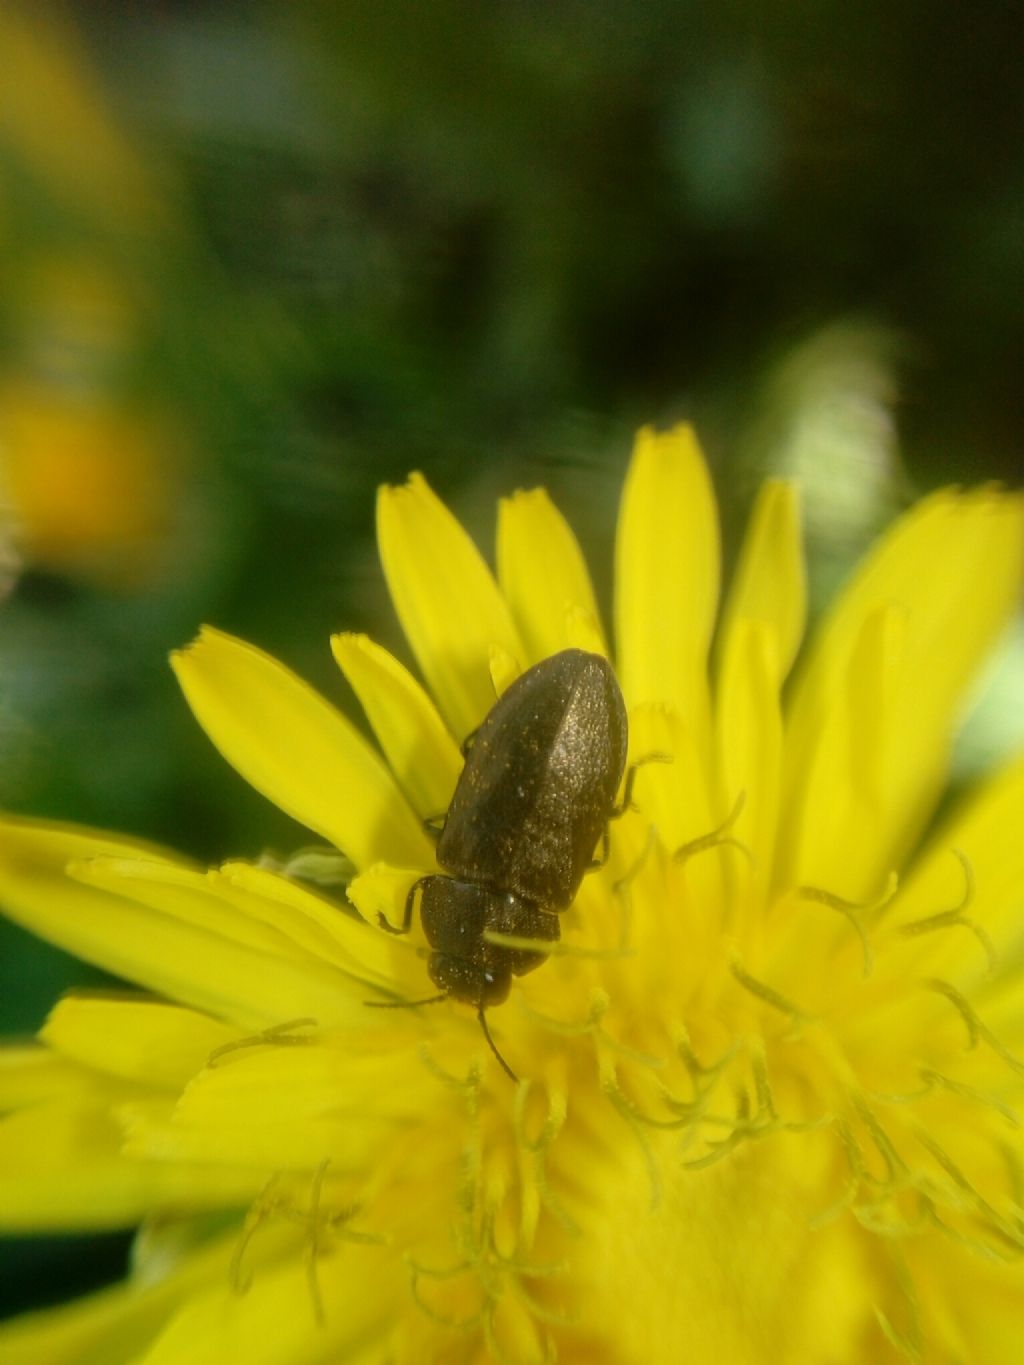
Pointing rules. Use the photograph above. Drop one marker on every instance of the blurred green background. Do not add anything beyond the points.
(255, 259)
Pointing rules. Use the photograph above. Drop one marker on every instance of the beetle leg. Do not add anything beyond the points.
(627, 791)
(410, 899)
(624, 805)
(602, 857)
(434, 825)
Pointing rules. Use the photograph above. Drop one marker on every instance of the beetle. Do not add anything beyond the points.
(533, 799)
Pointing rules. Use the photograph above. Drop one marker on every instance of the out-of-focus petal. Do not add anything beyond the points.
(952, 570)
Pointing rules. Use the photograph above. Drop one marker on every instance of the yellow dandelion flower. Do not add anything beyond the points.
(771, 1078)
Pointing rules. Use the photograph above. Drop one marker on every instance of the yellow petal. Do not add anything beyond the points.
(333, 932)
(504, 668)
(422, 754)
(953, 569)
(543, 574)
(384, 890)
(446, 598)
(748, 730)
(296, 749)
(253, 906)
(971, 874)
(31, 1074)
(283, 1108)
(842, 826)
(583, 631)
(116, 1324)
(262, 984)
(770, 582)
(156, 949)
(277, 1321)
(972, 1305)
(146, 1041)
(188, 895)
(101, 1329)
(61, 1168)
(666, 575)
(730, 1231)
(676, 795)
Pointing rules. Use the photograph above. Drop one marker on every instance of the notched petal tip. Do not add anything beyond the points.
(383, 890)
(294, 747)
(445, 597)
(770, 582)
(206, 635)
(542, 573)
(674, 440)
(667, 569)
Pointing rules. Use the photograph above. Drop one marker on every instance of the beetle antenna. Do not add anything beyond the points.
(490, 1042)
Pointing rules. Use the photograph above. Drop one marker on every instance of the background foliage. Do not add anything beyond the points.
(255, 259)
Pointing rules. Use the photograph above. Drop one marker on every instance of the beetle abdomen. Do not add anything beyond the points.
(539, 781)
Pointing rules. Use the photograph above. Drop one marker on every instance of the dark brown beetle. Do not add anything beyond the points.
(531, 803)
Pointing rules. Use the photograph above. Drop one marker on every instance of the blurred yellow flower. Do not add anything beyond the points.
(90, 464)
(88, 484)
(771, 1079)
(51, 107)
(90, 479)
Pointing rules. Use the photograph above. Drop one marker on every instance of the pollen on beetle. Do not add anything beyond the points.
(762, 1017)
